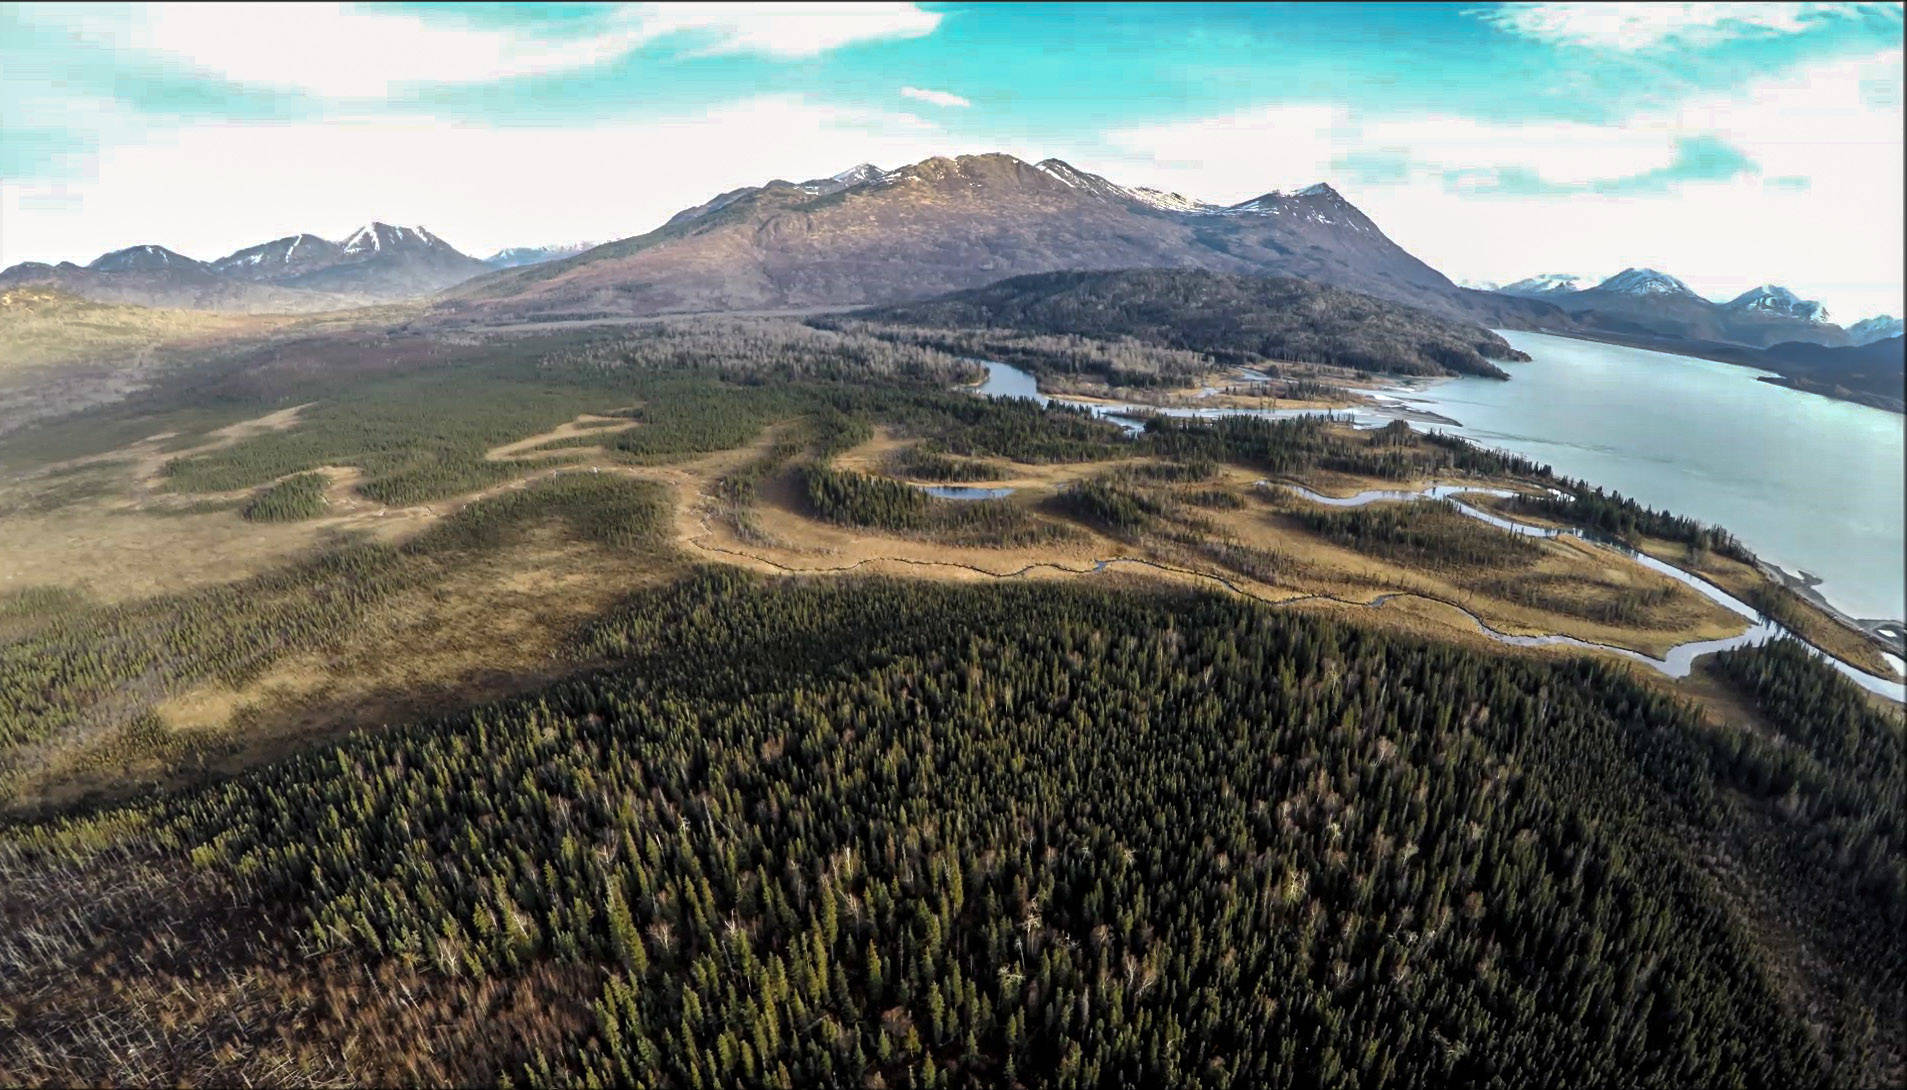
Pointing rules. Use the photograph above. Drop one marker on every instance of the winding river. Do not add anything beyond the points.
(1006, 381)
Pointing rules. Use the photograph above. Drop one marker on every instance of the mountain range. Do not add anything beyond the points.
(868, 236)
(303, 272)
(1647, 303)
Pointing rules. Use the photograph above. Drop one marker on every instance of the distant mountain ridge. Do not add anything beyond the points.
(303, 272)
(868, 236)
(1869, 330)
(518, 256)
(1642, 302)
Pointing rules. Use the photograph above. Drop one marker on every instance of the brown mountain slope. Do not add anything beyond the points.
(942, 225)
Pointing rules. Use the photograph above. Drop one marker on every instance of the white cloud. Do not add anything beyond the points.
(207, 190)
(937, 98)
(1836, 124)
(1247, 152)
(790, 30)
(1635, 26)
(339, 51)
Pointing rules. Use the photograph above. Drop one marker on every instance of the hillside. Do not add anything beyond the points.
(940, 225)
(1231, 318)
(43, 327)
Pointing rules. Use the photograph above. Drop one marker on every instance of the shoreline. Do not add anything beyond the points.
(1393, 400)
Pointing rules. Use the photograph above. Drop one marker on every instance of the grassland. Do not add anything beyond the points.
(394, 461)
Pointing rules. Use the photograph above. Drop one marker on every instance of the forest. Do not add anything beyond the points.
(846, 832)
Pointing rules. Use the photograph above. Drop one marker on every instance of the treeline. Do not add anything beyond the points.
(860, 832)
(1233, 319)
(300, 496)
(925, 461)
(1838, 769)
(1295, 444)
(1115, 361)
(860, 499)
(758, 350)
(1429, 534)
(1594, 508)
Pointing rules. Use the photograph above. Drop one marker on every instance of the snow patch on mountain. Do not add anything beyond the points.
(1772, 299)
(1644, 282)
(1879, 328)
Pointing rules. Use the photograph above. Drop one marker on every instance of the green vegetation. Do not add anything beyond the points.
(925, 462)
(299, 496)
(1228, 319)
(859, 499)
(1611, 513)
(85, 668)
(1429, 534)
(1107, 505)
(1837, 765)
(863, 832)
(828, 833)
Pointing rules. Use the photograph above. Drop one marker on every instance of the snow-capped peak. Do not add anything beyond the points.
(1170, 202)
(146, 257)
(1878, 328)
(1316, 189)
(1774, 299)
(860, 175)
(1544, 284)
(376, 236)
(1644, 282)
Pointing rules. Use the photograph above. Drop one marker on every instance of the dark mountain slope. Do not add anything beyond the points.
(1234, 319)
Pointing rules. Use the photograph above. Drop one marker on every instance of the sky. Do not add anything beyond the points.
(1729, 144)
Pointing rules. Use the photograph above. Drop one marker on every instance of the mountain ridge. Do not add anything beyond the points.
(377, 263)
(869, 237)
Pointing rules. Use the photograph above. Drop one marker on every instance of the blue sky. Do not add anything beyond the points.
(1730, 144)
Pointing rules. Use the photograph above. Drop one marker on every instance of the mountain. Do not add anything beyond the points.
(1771, 300)
(1232, 318)
(1653, 308)
(153, 276)
(281, 258)
(1874, 373)
(867, 236)
(1869, 330)
(1543, 284)
(517, 256)
(302, 272)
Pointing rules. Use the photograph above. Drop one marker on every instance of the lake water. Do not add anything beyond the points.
(964, 492)
(1811, 484)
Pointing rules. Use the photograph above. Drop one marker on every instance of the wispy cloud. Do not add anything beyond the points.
(936, 98)
(1796, 176)
(1639, 26)
(792, 30)
(340, 51)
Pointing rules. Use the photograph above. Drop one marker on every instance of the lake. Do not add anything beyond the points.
(1811, 484)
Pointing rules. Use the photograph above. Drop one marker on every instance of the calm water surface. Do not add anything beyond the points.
(1809, 483)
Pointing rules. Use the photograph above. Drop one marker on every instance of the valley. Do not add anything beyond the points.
(975, 623)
